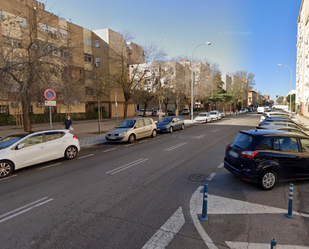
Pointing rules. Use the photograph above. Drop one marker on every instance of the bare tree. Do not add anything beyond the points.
(30, 59)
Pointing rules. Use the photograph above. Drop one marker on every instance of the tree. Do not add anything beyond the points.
(30, 61)
(137, 72)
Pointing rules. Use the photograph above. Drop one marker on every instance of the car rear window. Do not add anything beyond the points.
(243, 141)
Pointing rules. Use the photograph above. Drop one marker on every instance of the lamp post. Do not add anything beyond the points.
(290, 85)
(204, 43)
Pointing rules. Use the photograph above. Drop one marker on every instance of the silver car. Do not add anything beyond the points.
(215, 115)
(130, 130)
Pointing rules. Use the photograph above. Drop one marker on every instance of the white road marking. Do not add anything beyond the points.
(24, 209)
(221, 165)
(212, 175)
(175, 146)
(82, 157)
(109, 150)
(194, 210)
(222, 205)
(49, 166)
(124, 167)
(234, 123)
(166, 233)
(8, 177)
(215, 130)
(201, 136)
(142, 141)
(246, 245)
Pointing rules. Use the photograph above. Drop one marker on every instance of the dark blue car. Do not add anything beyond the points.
(169, 124)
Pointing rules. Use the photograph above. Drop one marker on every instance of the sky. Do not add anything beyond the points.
(251, 35)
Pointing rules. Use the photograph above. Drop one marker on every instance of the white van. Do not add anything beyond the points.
(260, 109)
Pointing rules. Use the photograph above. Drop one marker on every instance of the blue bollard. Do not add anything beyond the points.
(290, 208)
(205, 199)
(273, 244)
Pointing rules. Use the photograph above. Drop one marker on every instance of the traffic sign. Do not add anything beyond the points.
(50, 103)
(50, 94)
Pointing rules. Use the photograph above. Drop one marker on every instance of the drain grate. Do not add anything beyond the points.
(198, 177)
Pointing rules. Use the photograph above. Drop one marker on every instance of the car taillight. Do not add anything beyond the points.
(248, 154)
(75, 137)
(227, 146)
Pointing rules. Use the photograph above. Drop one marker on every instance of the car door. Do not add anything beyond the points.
(304, 147)
(55, 144)
(148, 127)
(177, 123)
(33, 151)
(140, 129)
(286, 152)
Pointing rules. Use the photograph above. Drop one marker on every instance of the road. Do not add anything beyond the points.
(140, 196)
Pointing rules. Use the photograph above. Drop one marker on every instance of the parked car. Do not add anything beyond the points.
(130, 130)
(281, 123)
(203, 117)
(215, 115)
(147, 112)
(185, 111)
(266, 156)
(222, 114)
(260, 109)
(282, 128)
(169, 124)
(171, 112)
(243, 110)
(158, 112)
(22, 150)
(139, 112)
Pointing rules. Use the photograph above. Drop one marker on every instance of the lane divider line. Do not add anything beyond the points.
(175, 146)
(82, 157)
(126, 166)
(24, 209)
(166, 233)
(109, 150)
(49, 166)
(8, 177)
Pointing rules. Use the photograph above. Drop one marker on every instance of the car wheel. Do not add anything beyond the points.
(268, 180)
(132, 138)
(154, 133)
(171, 129)
(70, 152)
(182, 126)
(6, 168)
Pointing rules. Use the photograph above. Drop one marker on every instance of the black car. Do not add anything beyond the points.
(266, 156)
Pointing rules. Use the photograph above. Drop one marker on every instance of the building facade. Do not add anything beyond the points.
(302, 60)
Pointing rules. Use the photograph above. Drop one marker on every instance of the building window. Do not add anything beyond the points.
(97, 43)
(43, 27)
(4, 109)
(63, 33)
(88, 41)
(22, 22)
(89, 91)
(88, 58)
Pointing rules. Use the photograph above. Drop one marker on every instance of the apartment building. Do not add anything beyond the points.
(78, 61)
(302, 60)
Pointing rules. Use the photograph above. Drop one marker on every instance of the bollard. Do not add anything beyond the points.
(205, 199)
(273, 244)
(290, 214)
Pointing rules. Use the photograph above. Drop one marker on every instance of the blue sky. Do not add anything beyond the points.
(252, 35)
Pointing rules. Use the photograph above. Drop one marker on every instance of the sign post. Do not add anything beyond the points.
(50, 95)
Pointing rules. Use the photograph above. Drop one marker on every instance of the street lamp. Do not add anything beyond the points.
(204, 43)
(290, 85)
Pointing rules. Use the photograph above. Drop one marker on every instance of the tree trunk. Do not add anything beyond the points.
(26, 113)
(125, 109)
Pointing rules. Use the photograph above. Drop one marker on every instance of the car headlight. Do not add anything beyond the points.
(123, 133)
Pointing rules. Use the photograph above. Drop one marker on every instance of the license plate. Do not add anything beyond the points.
(233, 154)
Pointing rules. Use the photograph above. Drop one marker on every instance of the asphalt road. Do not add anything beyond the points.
(140, 196)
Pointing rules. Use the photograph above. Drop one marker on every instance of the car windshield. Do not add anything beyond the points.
(165, 120)
(213, 113)
(243, 141)
(9, 140)
(126, 124)
(202, 115)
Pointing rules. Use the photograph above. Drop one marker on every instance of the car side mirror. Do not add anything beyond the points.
(20, 146)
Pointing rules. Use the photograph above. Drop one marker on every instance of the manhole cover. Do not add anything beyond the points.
(198, 177)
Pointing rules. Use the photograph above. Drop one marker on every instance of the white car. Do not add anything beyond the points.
(185, 111)
(203, 117)
(222, 114)
(215, 115)
(22, 150)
